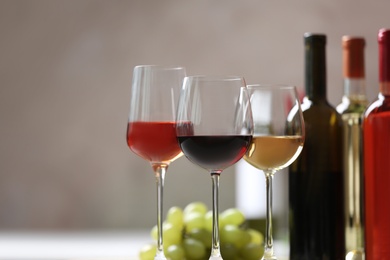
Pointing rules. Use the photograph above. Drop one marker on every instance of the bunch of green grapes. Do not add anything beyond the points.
(187, 235)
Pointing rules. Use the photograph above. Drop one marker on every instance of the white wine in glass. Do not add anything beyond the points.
(278, 139)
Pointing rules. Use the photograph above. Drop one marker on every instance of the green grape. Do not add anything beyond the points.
(199, 207)
(208, 219)
(231, 234)
(153, 233)
(229, 252)
(252, 251)
(194, 220)
(256, 236)
(245, 239)
(175, 216)
(201, 235)
(175, 252)
(194, 249)
(232, 216)
(171, 234)
(147, 252)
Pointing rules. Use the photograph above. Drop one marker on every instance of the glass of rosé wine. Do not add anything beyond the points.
(278, 138)
(214, 128)
(151, 132)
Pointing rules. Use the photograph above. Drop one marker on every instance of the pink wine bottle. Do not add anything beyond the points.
(376, 145)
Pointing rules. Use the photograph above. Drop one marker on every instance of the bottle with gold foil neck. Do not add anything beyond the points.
(354, 102)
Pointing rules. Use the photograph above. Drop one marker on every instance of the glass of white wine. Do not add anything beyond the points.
(278, 139)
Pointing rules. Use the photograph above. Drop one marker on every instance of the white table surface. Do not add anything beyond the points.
(72, 245)
(82, 245)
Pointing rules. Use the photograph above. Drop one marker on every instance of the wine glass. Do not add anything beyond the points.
(214, 129)
(151, 131)
(278, 139)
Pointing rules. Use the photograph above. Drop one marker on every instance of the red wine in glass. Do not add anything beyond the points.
(214, 152)
(219, 114)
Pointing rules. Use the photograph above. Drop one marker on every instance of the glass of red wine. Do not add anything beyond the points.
(214, 128)
(151, 132)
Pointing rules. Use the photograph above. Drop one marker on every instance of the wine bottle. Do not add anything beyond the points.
(351, 108)
(376, 144)
(316, 177)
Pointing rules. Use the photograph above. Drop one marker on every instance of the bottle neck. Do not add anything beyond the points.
(355, 88)
(384, 88)
(315, 70)
(384, 62)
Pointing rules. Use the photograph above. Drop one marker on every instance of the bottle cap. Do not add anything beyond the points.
(315, 38)
(384, 55)
(353, 56)
(384, 35)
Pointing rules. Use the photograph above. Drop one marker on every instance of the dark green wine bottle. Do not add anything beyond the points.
(316, 177)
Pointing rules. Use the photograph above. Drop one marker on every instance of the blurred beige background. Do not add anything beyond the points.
(65, 75)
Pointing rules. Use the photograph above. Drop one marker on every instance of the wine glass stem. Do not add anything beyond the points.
(160, 170)
(268, 247)
(215, 251)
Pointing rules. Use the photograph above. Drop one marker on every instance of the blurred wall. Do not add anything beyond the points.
(65, 75)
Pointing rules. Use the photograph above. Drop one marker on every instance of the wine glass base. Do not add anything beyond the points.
(160, 256)
(269, 258)
(215, 258)
(355, 255)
